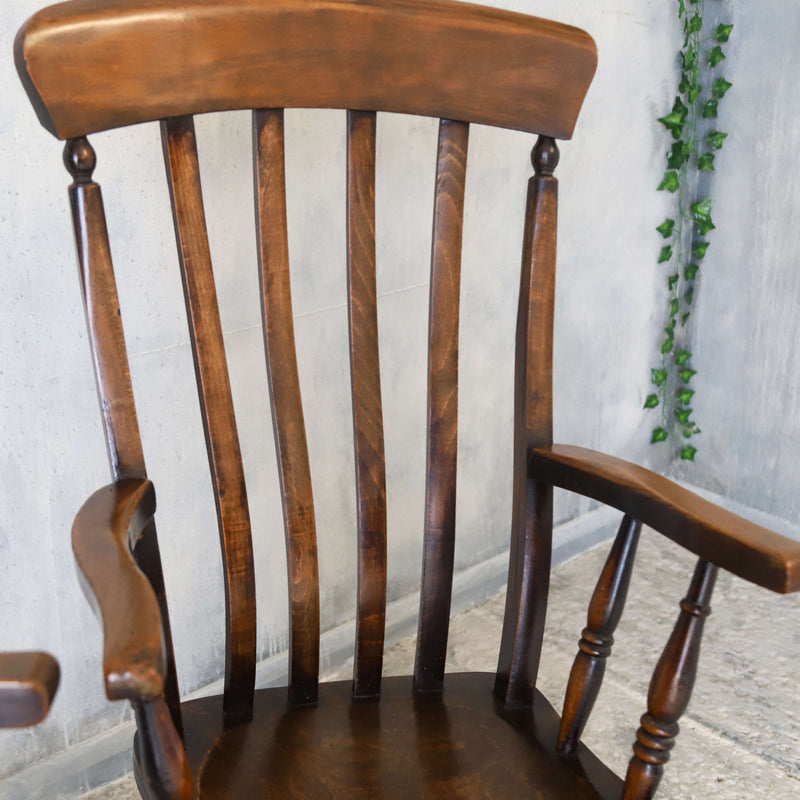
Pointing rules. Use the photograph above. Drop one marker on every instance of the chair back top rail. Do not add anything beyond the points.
(91, 66)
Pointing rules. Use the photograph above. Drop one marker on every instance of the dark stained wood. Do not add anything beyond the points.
(670, 688)
(461, 744)
(532, 509)
(112, 373)
(735, 544)
(287, 406)
(122, 597)
(219, 422)
(442, 437)
(605, 611)
(367, 408)
(89, 66)
(160, 765)
(28, 683)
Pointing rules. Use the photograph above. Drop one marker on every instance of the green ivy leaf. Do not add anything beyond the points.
(652, 401)
(669, 343)
(670, 182)
(699, 250)
(659, 435)
(679, 153)
(723, 32)
(694, 92)
(688, 452)
(706, 161)
(659, 376)
(683, 415)
(690, 273)
(681, 8)
(715, 56)
(689, 59)
(710, 109)
(681, 357)
(666, 228)
(674, 121)
(686, 374)
(683, 86)
(673, 306)
(672, 281)
(665, 255)
(670, 329)
(684, 317)
(690, 430)
(716, 138)
(720, 87)
(694, 24)
(685, 396)
(701, 212)
(689, 296)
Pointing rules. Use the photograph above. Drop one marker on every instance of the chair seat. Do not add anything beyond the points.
(460, 745)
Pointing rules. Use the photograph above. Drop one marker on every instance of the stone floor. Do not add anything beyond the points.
(740, 739)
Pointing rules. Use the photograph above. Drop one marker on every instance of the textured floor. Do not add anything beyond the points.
(740, 739)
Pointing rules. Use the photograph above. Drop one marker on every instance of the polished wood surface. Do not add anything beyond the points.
(365, 372)
(91, 66)
(442, 432)
(605, 611)
(110, 521)
(532, 502)
(754, 553)
(219, 421)
(670, 688)
(287, 406)
(406, 745)
(28, 683)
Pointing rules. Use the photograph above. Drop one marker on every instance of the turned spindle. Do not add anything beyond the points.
(80, 159)
(670, 688)
(597, 638)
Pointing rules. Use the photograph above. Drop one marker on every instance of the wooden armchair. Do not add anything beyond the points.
(91, 66)
(28, 683)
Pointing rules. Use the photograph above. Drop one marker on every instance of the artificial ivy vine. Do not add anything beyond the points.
(692, 153)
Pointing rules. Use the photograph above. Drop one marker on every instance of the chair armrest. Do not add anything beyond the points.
(105, 529)
(754, 553)
(28, 683)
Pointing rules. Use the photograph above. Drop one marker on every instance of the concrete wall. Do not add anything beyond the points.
(53, 457)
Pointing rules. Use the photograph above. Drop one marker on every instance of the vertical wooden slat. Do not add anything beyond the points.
(594, 648)
(112, 373)
(532, 508)
(367, 410)
(219, 423)
(670, 688)
(440, 490)
(287, 407)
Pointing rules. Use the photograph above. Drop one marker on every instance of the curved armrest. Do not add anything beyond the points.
(28, 683)
(133, 652)
(754, 553)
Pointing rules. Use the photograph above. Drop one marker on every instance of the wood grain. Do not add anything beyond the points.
(219, 422)
(28, 684)
(287, 406)
(670, 688)
(133, 650)
(754, 553)
(442, 431)
(89, 66)
(461, 744)
(365, 374)
(594, 648)
(532, 504)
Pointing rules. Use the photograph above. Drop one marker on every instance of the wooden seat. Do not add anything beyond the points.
(91, 66)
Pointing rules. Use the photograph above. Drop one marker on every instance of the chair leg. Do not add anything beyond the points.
(605, 611)
(670, 688)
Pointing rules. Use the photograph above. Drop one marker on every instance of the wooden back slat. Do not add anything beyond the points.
(112, 373)
(83, 63)
(532, 508)
(219, 423)
(367, 409)
(287, 407)
(440, 490)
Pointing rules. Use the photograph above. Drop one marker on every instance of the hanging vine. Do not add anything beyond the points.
(692, 153)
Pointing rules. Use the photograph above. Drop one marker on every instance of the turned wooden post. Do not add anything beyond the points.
(670, 688)
(597, 638)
